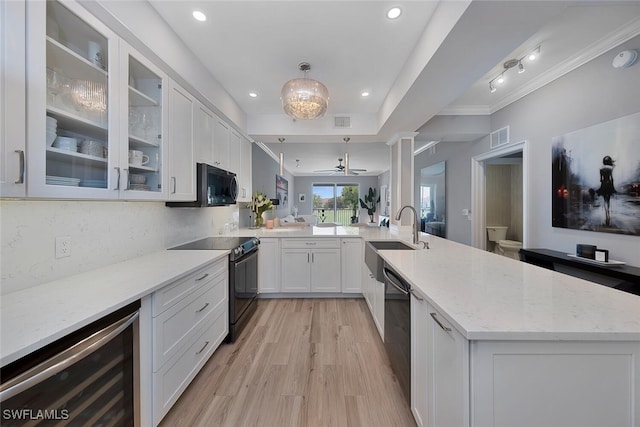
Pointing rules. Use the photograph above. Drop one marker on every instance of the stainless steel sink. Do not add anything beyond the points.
(384, 245)
(374, 261)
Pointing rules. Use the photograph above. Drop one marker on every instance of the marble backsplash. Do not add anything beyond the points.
(101, 233)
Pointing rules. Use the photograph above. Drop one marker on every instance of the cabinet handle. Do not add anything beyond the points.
(173, 182)
(310, 243)
(416, 296)
(203, 347)
(200, 278)
(117, 187)
(444, 328)
(21, 173)
(312, 257)
(126, 179)
(203, 307)
(308, 256)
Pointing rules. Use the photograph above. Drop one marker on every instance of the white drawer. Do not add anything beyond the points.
(174, 327)
(171, 294)
(175, 376)
(310, 243)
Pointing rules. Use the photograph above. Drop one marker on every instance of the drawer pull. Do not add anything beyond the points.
(21, 173)
(310, 243)
(205, 306)
(444, 328)
(206, 275)
(203, 347)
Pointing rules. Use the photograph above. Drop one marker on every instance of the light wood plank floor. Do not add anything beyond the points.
(299, 363)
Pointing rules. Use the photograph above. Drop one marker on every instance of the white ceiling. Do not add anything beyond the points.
(437, 58)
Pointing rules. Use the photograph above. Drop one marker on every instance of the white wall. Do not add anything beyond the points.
(101, 233)
(591, 94)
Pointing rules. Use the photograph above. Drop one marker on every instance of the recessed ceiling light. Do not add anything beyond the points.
(253, 94)
(394, 13)
(199, 16)
(365, 93)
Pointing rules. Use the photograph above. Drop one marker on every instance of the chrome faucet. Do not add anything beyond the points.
(415, 225)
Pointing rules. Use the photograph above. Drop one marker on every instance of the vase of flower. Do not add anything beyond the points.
(258, 205)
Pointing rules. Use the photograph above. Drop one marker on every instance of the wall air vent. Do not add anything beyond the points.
(500, 137)
(342, 122)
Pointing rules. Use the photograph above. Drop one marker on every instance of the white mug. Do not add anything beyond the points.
(138, 158)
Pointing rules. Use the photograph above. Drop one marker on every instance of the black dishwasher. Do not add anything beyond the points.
(397, 327)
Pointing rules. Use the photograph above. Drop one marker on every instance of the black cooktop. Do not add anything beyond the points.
(214, 243)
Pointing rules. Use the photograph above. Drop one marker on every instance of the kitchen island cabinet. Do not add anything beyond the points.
(498, 342)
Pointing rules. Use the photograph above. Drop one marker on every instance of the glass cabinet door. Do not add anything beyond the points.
(77, 101)
(145, 123)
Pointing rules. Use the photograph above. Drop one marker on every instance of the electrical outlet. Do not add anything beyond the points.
(63, 246)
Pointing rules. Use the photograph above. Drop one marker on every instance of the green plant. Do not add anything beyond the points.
(370, 201)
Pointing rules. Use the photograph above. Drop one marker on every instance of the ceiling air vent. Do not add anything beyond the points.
(342, 122)
(500, 137)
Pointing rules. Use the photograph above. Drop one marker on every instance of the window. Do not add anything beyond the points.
(336, 203)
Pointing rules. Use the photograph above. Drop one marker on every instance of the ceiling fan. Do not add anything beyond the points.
(339, 168)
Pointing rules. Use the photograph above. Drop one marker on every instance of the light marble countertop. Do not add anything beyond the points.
(491, 297)
(35, 317)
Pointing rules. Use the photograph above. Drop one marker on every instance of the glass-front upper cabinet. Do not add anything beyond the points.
(70, 119)
(146, 120)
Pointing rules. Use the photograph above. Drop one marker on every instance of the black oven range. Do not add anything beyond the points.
(243, 276)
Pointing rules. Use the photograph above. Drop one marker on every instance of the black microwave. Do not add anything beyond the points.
(214, 187)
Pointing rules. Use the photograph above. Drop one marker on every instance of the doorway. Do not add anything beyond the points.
(486, 169)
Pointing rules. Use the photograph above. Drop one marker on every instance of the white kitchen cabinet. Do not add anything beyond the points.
(269, 266)
(447, 373)
(559, 383)
(234, 152)
(352, 255)
(145, 131)
(12, 98)
(310, 265)
(245, 174)
(182, 173)
(419, 361)
(205, 122)
(90, 87)
(221, 144)
(190, 321)
(73, 91)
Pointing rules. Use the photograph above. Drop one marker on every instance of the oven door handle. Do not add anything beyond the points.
(63, 360)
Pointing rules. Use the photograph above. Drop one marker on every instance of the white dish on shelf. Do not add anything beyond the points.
(610, 263)
(139, 187)
(92, 148)
(135, 178)
(62, 180)
(66, 143)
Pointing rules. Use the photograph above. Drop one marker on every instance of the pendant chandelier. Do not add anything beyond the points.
(305, 98)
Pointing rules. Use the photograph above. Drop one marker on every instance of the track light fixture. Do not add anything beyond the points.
(511, 63)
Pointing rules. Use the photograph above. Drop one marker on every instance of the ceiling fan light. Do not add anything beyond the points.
(305, 98)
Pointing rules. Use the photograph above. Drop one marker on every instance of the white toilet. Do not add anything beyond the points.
(498, 235)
